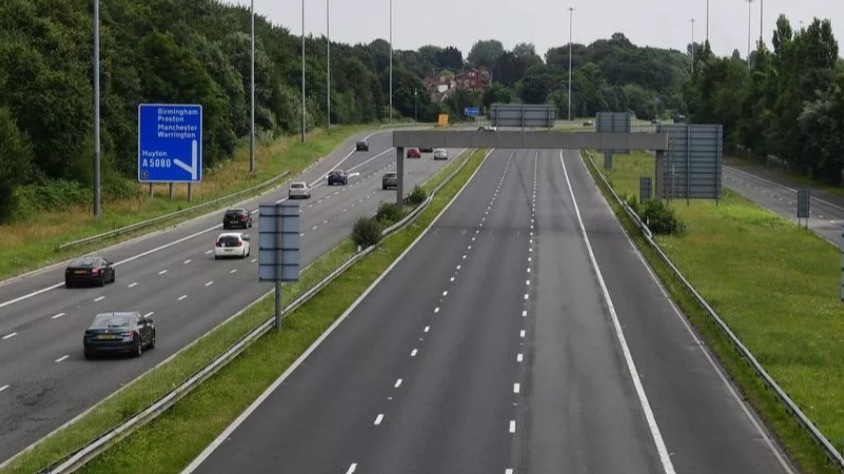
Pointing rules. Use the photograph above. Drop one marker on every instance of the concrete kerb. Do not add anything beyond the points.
(77, 459)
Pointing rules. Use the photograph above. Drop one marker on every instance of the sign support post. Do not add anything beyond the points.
(278, 248)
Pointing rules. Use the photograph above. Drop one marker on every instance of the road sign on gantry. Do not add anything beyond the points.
(169, 143)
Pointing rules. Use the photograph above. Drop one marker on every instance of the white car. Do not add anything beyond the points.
(232, 244)
(440, 154)
(299, 189)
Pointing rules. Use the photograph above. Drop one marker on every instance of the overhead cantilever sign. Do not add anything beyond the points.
(530, 140)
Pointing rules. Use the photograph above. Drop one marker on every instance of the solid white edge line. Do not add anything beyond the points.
(701, 346)
(9, 336)
(260, 400)
(662, 450)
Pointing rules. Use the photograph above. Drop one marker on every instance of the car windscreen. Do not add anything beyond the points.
(297, 186)
(233, 213)
(228, 241)
(85, 262)
(107, 321)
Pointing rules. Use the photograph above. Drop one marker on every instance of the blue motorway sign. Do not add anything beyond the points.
(169, 143)
(471, 111)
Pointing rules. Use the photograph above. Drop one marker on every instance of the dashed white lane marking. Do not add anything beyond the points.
(527, 295)
(527, 282)
(458, 267)
(149, 314)
(436, 310)
(187, 261)
(352, 468)
(519, 358)
(445, 293)
(345, 210)
(234, 270)
(253, 260)
(522, 334)
(517, 388)
(662, 449)
(524, 314)
(182, 297)
(427, 328)
(9, 336)
(379, 419)
(162, 272)
(4, 387)
(452, 279)
(57, 316)
(62, 358)
(508, 471)
(208, 252)
(512, 426)
(398, 383)
(98, 299)
(132, 285)
(315, 227)
(210, 283)
(528, 270)
(413, 353)
(464, 257)
(325, 221)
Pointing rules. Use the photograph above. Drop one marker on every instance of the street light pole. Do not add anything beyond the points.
(415, 109)
(252, 94)
(571, 16)
(303, 71)
(707, 21)
(97, 209)
(761, 21)
(391, 61)
(749, 3)
(328, 62)
(693, 45)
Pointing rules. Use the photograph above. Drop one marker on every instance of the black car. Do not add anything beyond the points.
(338, 177)
(237, 218)
(116, 333)
(390, 180)
(96, 270)
(362, 145)
(426, 149)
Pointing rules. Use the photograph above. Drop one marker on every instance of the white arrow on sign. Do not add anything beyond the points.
(192, 168)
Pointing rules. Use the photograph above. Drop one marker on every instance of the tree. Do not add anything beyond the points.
(497, 94)
(449, 58)
(15, 163)
(485, 52)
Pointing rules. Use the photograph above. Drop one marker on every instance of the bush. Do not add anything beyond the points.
(389, 212)
(417, 197)
(633, 202)
(660, 218)
(366, 232)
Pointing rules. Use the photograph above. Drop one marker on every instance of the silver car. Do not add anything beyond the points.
(299, 189)
(440, 154)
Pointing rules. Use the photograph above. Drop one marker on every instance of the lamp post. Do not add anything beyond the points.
(252, 93)
(415, 109)
(97, 209)
(571, 16)
(328, 63)
(391, 61)
(749, 3)
(761, 20)
(303, 71)
(707, 21)
(693, 45)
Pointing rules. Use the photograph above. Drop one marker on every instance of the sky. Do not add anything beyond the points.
(545, 23)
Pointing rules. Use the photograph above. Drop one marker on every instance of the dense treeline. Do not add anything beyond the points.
(198, 51)
(789, 104)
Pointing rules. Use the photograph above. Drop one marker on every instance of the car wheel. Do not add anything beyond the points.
(102, 279)
(139, 349)
(113, 276)
(152, 341)
(88, 354)
(67, 284)
(216, 257)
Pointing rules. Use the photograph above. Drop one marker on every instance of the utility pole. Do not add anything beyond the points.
(749, 12)
(571, 22)
(303, 71)
(97, 209)
(391, 61)
(693, 45)
(252, 94)
(328, 62)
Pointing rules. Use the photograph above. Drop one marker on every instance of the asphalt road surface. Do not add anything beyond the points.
(45, 380)
(826, 212)
(522, 333)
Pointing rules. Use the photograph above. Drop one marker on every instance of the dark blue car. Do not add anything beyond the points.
(119, 333)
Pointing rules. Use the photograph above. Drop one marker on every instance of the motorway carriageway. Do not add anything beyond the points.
(172, 276)
(522, 333)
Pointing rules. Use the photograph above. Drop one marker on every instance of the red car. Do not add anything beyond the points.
(413, 153)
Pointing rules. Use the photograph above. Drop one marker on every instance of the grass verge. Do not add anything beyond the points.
(775, 285)
(31, 243)
(175, 438)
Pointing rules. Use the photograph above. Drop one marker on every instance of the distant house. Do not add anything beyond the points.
(439, 86)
